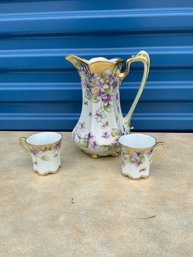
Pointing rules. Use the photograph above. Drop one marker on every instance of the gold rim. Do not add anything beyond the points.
(46, 145)
(70, 56)
(131, 149)
(95, 67)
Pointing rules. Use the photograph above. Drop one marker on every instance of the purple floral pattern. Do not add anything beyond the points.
(102, 91)
(89, 141)
(106, 134)
(81, 126)
(99, 115)
(136, 158)
(99, 89)
(41, 151)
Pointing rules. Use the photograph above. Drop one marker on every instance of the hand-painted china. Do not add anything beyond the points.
(137, 154)
(101, 121)
(44, 149)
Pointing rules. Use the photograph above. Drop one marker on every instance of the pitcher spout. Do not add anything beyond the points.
(76, 61)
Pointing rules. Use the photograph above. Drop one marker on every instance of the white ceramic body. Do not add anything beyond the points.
(101, 122)
(44, 149)
(136, 170)
(50, 164)
(99, 134)
(136, 152)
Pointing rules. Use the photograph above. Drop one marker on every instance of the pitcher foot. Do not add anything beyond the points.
(115, 154)
(95, 156)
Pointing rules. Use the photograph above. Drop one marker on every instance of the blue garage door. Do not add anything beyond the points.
(40, 90)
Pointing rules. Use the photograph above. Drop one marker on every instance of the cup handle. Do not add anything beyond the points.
(23, 144)
(163, 151)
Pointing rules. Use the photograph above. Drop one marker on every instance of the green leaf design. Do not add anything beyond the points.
(50, 147)
(105, 73)
(108, 108)
(142, 159)
(115, 132)
(94, 98)
(109, 90)
(126, 157)
(87, 95)
(83, 142)
(92, 84)
(44, 158)
(105, 148)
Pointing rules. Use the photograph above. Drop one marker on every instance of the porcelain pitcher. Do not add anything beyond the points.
(101, 121)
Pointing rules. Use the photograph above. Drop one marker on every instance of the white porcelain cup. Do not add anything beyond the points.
(137, 151)
(44, 149)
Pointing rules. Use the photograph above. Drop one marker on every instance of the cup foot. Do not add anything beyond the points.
(46, 173)
(129, 176)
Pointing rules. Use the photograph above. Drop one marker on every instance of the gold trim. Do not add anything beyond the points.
(164, 150)
(131, 149)
(143, 57)
(97, 66)
(96, 156)
(71, 58)
(46, 145)
(115, 154)
(28, 148)
(24, 145)
(127, 149)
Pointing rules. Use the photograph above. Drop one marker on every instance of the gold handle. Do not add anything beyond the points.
(164, 146)
(23, 144)
(143, 57)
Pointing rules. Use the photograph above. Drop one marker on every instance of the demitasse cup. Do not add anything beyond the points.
(44, 149)
(137, 152)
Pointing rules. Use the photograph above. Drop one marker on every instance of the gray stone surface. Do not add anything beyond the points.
(90, 209)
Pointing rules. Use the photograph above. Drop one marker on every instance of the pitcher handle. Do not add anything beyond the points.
(23, 144)
(143, 57)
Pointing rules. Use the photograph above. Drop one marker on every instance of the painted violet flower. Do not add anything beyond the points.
(111, 80)
(91, 140)
(57, 146)
(106, 134)
(35, 151)
(99, 115)
(94, 144)
(135, 158)
(81, 126)
(149, 152)
(105, 98)
(93, 77)
(89, 137)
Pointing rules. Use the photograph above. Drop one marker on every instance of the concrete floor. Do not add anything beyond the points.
(90, 209)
